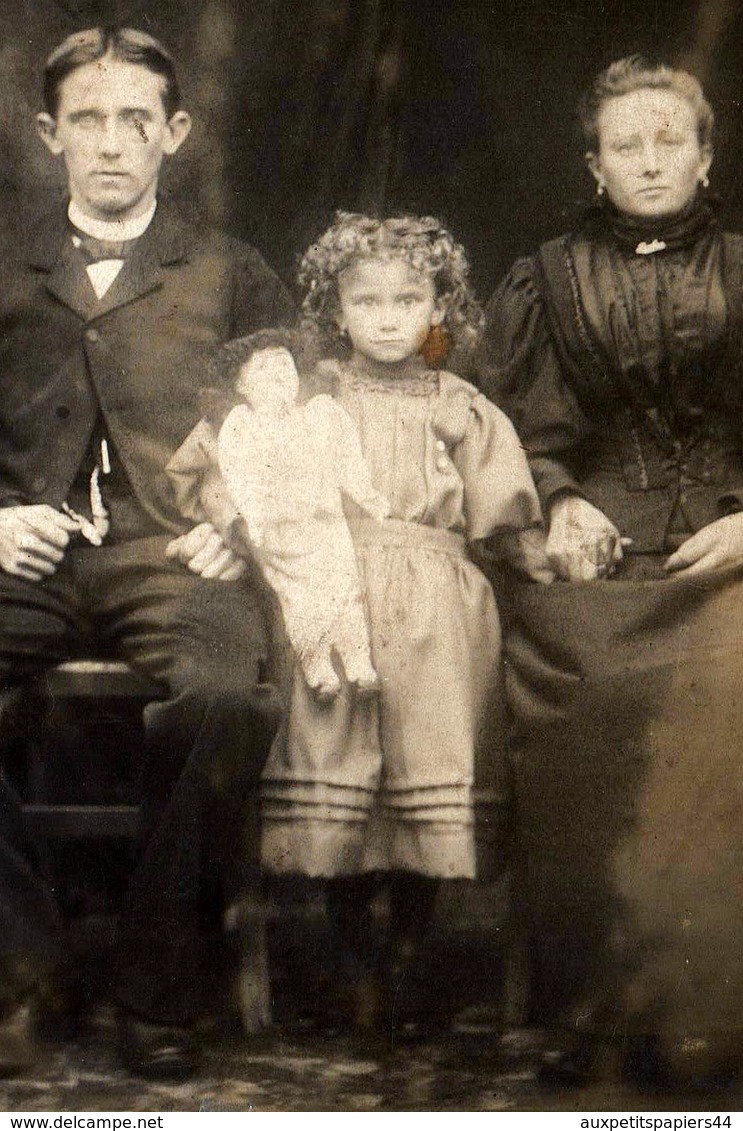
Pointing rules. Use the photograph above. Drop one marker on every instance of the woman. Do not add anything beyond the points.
(617, 352)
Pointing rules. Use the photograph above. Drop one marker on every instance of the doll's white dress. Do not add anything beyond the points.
(285, 474)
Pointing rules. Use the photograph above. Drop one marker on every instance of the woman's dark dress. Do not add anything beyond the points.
(622, 373)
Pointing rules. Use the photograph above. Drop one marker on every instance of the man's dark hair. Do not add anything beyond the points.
(126, 45)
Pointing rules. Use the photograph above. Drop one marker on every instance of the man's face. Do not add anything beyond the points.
(112, 131)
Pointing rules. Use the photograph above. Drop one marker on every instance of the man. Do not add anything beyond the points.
(107, 314)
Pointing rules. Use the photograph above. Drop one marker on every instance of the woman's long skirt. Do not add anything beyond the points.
(627, 762)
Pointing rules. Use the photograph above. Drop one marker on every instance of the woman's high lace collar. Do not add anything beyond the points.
(648, 235)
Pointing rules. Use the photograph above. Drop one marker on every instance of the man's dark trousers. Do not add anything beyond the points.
(206, 643)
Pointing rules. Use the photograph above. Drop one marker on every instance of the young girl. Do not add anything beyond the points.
(362, 790)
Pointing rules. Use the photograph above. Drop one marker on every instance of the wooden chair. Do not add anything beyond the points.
(88, 691)
(104, 699)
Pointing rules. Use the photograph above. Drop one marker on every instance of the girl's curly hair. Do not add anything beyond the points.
(421, 241)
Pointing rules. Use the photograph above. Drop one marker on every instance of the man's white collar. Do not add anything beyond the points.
(114, 230)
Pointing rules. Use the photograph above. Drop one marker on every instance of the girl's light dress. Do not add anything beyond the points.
(387, 782)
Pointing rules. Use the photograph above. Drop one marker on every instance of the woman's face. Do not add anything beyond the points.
(649, 159)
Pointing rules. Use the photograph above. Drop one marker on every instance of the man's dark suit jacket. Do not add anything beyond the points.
(140, 351)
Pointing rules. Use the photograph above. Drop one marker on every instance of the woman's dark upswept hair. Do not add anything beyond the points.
(420, 241)
(125, 45)
(636, 73)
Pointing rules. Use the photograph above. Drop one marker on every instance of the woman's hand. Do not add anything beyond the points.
(717, 546)
(582, 544)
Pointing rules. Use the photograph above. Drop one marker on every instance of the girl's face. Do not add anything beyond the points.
(649, 158)
(387, 309)
(268, 379)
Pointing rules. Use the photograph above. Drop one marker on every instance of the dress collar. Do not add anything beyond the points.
(649, 236)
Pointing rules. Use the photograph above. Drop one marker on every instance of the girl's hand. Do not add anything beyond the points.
(582, 544)
(717, 546)
(203, 551)
(526, 551)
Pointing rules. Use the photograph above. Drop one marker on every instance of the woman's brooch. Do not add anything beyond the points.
(645, 248)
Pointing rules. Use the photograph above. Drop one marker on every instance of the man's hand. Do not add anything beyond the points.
(582, 544)
(717, 546)
(33, 540)
(203, 552)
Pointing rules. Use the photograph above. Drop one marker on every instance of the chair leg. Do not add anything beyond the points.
(246, 920)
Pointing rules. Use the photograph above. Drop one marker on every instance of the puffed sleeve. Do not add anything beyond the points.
(517, 367)
(499, 492)
(199, 490)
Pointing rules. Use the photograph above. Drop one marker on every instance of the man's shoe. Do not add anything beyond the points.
(18, 1049)
(158, 1052)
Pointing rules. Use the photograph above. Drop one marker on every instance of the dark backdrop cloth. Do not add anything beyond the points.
(628, 727)
(464, 110)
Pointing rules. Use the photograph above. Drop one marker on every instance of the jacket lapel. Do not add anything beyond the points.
(52, 254)
(165, 243)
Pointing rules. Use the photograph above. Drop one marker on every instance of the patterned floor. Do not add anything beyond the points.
(473, 1067)
(465, 1071)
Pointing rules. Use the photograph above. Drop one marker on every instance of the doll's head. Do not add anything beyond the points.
(268, 380)
(259, 368)
(392, 288)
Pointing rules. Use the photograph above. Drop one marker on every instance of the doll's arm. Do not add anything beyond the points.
(238, 464)
(198, 488)
(187, 469)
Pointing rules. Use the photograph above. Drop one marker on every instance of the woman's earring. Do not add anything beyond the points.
(600, 190)
(705, 181)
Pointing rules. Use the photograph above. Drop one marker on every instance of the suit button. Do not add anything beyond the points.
(92, 335)
(39, 484)
(62, 412)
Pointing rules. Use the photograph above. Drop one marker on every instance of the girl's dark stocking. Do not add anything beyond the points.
(412, 904)
(349, 902)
